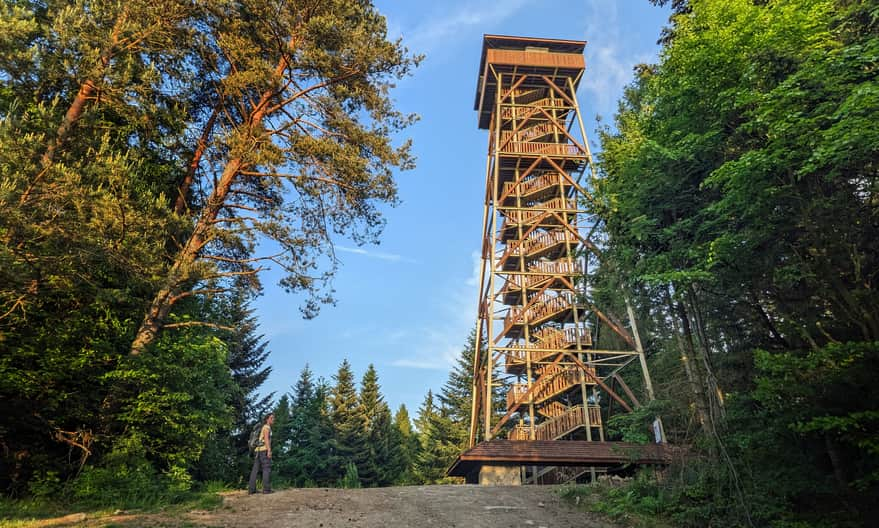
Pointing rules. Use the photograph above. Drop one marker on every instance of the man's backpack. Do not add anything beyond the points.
(255, 439)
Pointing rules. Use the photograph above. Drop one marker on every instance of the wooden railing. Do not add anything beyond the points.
(549, 341)
(526, 109)
(551, 383)
(523, 215)
(527, 95)
(557, 267)
(562, 339)
(572, 335)
(543, 308)
(527, 133)
(515, 393)
(551, 149)
(537, 241)
(542, 271)
(540, 59)
(555, 428)
(552, 409)
(547, 179)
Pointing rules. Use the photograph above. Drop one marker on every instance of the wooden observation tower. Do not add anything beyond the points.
(537, 326)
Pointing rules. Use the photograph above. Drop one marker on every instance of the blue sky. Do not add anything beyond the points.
(408, 304)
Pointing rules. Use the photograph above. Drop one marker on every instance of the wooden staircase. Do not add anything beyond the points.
(544, 347)
(552, 409)
(529, 215)
(555, 428)
(553, 381)
(540, 187)
(540, 310)
(539, 244)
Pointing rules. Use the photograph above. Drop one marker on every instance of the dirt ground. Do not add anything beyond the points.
(398, 507)
(403, 507)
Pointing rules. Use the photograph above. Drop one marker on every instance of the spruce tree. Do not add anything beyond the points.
(227, 456)
(428, 462)
(389, 453)
(457, 394)
(320, 439)
(310, 462)
(372, 404)
(404, 436)
(349, 423)
(248, 353)
(281, 430)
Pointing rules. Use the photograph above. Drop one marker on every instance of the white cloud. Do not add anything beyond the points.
(443, 29)
(477, 267)
(441, 344)
(608, 67)
(391, 257)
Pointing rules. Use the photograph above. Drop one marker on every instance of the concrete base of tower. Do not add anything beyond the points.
(500, 476)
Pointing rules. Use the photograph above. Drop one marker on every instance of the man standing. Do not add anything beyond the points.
(263, 457)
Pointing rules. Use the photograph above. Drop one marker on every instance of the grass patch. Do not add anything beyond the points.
(37, 512)
(625, 503)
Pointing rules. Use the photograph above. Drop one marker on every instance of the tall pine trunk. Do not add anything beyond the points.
(181, 273)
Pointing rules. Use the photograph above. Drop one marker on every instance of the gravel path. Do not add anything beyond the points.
(403, 507)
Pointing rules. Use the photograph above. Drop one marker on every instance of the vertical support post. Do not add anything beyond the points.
(648, 383)
(495, 176)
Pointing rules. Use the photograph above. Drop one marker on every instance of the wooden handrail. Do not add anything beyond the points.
(539, 182)
(552, 149)
(538, 241)
(557, 427)
(544, 307)
(551, 382)
(542, 128)
(548, 341)
(525, 214)
(519, 110)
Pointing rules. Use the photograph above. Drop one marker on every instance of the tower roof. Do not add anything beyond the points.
(509, 54)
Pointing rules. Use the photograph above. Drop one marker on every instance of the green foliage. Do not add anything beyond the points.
(636, 426)
(377, 430)
(641, 502)
(443, 423)
(351, 479)
(738, 193)
(349, 423)
(169, 402)
(827, 396)
(116, 122)
(308, 462)
(404, 436)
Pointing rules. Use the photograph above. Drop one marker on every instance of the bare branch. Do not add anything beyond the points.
(204, 291)
(305, 91)
(226, 274)
(240, 261)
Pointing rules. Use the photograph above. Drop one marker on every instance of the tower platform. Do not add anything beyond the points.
(571, 453)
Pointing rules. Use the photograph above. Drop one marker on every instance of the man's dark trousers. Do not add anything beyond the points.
(262, 459)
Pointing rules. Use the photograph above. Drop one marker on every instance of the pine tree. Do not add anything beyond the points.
(430, 458)
(321, 439)
(405, 437)
(372, 404)
(312, 119)
(227, 456)
(247, 356)
(349, 423)
(282, 448)
(457, 394)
